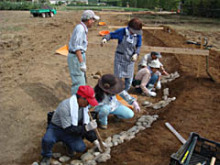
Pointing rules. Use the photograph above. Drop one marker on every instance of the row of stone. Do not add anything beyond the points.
(92, 157)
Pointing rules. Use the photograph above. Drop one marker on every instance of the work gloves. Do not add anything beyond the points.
(134, 57)
(104, 41)
(136, 106)
(91, 125)
(83, 66)
(97, 144)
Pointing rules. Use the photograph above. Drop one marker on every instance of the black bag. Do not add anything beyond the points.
(49, 116)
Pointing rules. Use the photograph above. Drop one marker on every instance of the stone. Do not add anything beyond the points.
(141, 128)
(55, 162)
(56, 155)
(145, 103)
(156, 106)
(64, 159)
(103, 158)
(108, 140)
(96, 76)
(96, 153)
(90, 162)
(35, 163)
(166, 92)
(76, 162)
(87, 156)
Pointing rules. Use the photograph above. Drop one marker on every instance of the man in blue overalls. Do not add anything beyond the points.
(77, 48)
(128, 49)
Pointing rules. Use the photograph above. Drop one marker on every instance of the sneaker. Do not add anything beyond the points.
(152, 94)
(103, 126)
(45, 161)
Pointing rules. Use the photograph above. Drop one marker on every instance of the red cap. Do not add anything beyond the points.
(88, 93)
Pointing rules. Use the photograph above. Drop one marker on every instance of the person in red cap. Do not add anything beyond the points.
(70, 123)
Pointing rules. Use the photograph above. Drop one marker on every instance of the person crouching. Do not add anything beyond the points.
(70, 123)
(147, 78)
(105, 92)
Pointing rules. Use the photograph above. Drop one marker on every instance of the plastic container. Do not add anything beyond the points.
(104, 32)
(102, 23)
(202, 152)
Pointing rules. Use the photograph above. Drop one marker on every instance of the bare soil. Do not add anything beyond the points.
(34, 80)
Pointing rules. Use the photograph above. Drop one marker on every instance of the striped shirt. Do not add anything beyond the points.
(78, 40)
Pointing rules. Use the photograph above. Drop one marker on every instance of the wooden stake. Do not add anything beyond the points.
(97, 134)
(199, 59)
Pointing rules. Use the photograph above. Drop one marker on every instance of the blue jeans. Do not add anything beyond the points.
(77, 76)
(153, 80)
(121, 112)
(55, 134)
(128, 82)
(150, 84)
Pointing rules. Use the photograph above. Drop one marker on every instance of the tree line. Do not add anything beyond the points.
(204, 8)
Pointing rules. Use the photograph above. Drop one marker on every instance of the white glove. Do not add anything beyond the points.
(152, 94)
(136, 106)
(83, 66)
(104, 41)
(91, 125)
(97, 144)
(134, 57)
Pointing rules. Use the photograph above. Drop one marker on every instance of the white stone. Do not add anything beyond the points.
(87, 156)
(173, 98)
(146, 103)
(96, 153)
(56, 155)
(103, 158)
(64, 159)
(55, 162)
(138, 123)
(156, 106)
(90, 162)
(108, 140)
(35, 163)
(76, 162)
(141, 128)
(166, 92)
(115, 143)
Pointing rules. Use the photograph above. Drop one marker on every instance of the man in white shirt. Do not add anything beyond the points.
(77, 48)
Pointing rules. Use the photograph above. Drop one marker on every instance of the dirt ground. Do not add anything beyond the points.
(34, 80)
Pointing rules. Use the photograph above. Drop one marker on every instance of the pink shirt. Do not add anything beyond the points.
(144, 75)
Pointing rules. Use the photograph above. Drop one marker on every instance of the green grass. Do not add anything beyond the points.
(99, 8)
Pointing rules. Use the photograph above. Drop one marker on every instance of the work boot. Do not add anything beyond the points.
(45, 161)
(69, 152)
(103, 126)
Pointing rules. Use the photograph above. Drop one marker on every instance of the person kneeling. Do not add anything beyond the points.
(70, 123)
(105, 92)
(146, 78)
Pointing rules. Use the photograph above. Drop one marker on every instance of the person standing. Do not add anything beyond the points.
(77, 49)
(127, 51)
(70, 124)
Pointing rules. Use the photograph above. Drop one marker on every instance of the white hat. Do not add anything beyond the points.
(89, 14)
(143, 64)
(154, 64)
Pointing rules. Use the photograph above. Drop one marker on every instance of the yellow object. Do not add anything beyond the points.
(104, 32)
(102, 23)
(122, 101)
(63, 50)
